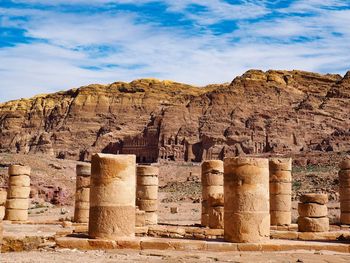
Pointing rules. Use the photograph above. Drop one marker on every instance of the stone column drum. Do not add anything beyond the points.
(147, 192)
(344, 191)
(212, 178)
(82, 193)
(280, 191)
(313, 213)
(112, 196)
(247, 208)
(3, 195)
(18, 193)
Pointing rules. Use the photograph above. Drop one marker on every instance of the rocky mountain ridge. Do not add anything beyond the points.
(273, 112)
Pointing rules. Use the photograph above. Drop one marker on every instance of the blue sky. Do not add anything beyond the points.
(48, 45)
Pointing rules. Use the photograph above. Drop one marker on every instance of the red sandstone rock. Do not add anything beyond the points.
(259, 112)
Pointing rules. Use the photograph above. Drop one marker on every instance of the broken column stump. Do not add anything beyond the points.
(82, 193)
(313, 213)
(147, 192)
(247, 208)
(17, 202)
(3, 195)
(280, 191)
(212, 178)
(112, 196)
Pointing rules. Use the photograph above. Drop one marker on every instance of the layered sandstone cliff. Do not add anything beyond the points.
(259, 112)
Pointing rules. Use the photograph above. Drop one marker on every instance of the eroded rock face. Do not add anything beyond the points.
(259, 112)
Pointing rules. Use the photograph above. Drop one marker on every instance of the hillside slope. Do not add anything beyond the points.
(284, 112)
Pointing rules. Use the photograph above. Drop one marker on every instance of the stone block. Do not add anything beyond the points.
(280, 218)
(21, 204)
(308, 224)
(147, 205)
(325, 236)
(213, 179)
(212, 190)
(112, 222)
(280, 177)
(83, 170)
(314, 198)
(312, 210)
(221, 246)
(280, 164)
(73, 243)
(18, 192)
(129, 244)
(216, 199)
(284, 235)
(278, 188)
(280, 202)
(19, 180)
(140, 218)
(155, 244)
(216, 217)
(18, 170)
(147, 180)
(151, 218)
(147, 192)
(251, 247)
(245, 227)
(16, 215)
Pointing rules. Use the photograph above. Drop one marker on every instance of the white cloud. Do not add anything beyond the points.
(61, 60)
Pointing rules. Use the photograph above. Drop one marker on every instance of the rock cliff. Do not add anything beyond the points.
(286, 112)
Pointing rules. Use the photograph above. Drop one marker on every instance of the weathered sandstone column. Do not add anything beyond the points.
(3, 195)
(18, 193)
(212, 193)
(280, 191)
(82, 193)
(344, 191)
(147, 192)
(112, 196)
(246, 191)
(313, 213)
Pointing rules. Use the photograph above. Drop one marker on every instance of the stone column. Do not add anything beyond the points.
(147, 192)
(313, 213)
(280, 191)
(18, 193)
(3, 195)
(212, 193)
(247, 208)
(82, 193)
(112, 196)
(344, 191)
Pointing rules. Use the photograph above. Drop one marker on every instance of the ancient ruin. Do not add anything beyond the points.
(3, 195)
(344, 191)
(212, 178)
(18, 193)
(246, 192)
(112, 196)
(169, 129)
(313, 213)
(280, 191)
(147, 193)
(82, 193)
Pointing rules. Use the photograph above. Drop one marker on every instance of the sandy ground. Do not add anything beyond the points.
(65, 255)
